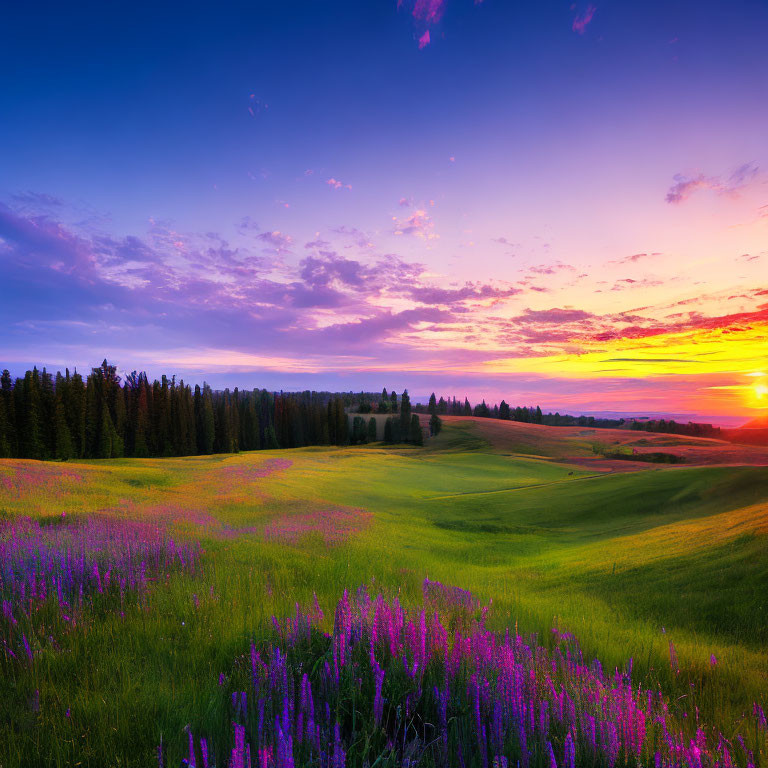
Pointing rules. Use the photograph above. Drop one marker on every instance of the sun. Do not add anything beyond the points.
(761, 391)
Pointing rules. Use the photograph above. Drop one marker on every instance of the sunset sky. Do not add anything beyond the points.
(552, 203)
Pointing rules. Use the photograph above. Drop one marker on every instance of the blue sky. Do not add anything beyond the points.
(168, 171)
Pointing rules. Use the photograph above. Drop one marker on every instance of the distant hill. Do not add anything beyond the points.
(759, 423)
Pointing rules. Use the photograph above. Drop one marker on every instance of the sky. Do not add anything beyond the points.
(559, 204)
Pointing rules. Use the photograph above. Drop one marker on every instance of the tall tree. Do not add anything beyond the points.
(405, 414)
(63, 448)
(415, 434)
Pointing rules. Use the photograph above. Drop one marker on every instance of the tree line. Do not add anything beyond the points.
(66, 416)
(402, 426)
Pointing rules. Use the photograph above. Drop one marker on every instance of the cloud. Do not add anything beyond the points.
(336, 184)
(424, 40)
(37, 199)
(279, 241)
(582, 20)
(685, 186)
(418, 224)
(554, 315)
(452, 296)
(429, 11)
(635, 257)
(625, 283)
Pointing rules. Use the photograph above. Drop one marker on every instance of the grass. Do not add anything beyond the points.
(628, 562)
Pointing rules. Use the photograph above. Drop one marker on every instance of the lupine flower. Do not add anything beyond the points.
(505, 692)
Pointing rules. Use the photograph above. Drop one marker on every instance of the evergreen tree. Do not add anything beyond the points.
(208, 423)
(64, 449)
(6, 393)
(467, 408)
(30, 438)
(372, 430)
(393, 401)
(504, 410)
(270, 438)
(415, 434)
(432, 407)
(405, 414)
(5, 443)
(384, 404)
(389, 436)
(435, 425)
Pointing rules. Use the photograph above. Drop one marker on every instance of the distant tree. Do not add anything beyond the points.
(389, 436)
(270, 438)
(467, 411)
(393, 401)
(384, 404)
(405, 413)
(63, 441)
(538, 416)
(30, 438)
(504, 410)
(359, 431)
(435, 425)
(6, 393)
(442, 406)
(5, 444)
(372, 430)
(432, 407)
(415, 434)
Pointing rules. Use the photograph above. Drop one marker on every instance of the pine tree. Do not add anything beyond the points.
(6, 393)
(5, 443)
(105, 431)
(207, 423)
(432, 407)
(63, 448)
(270, 438)
(388, 431)
(31, 442)
(393, 401)
(504, 410)
(372, 430)
(467, 407)
(405, 414)
(435, 425)
(415, 434)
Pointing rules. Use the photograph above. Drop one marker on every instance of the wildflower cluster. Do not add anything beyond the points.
(51, 572)
(401, 687)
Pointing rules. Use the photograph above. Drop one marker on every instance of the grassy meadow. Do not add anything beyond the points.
(667, 566)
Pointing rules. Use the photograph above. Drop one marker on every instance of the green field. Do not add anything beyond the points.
(628, 562)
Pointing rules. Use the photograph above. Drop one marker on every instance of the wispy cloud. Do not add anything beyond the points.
(336, 184)
(685, 186)
(581, 20)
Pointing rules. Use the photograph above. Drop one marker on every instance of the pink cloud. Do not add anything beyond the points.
(581, 21)
(686, 186)
(336, 184)
(424, 40)
(419, 224)
(430, 11)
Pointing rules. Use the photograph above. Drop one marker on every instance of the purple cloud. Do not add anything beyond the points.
(686, 186)
(582, 20)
